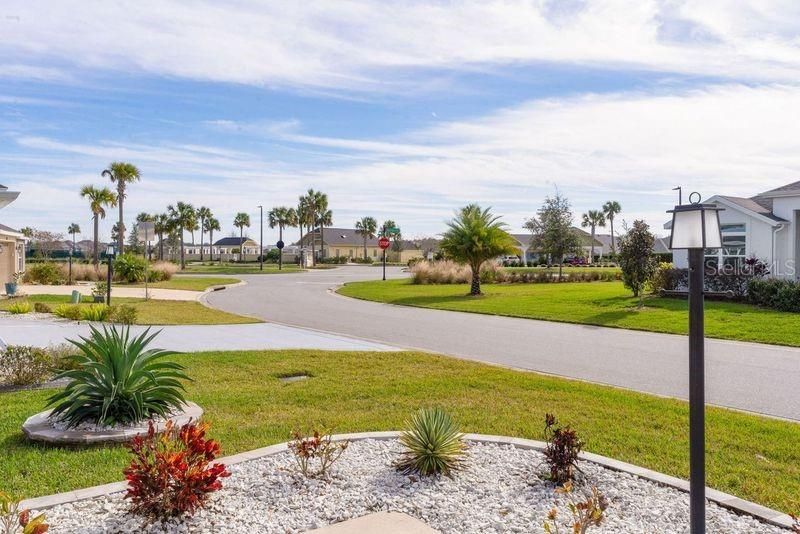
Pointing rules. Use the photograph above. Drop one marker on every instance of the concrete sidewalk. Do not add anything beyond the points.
(20, 330)
(116, 291)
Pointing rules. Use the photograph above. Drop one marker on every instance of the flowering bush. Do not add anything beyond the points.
(319, 447)
(22, 365)
(171, 473)
(12, 519)
(561, 453)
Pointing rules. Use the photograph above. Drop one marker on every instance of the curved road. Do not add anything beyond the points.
(745, 376)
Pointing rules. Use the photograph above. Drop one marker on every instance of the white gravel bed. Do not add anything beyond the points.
(498, 491)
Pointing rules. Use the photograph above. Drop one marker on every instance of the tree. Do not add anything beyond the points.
(203, 213)
(99, 198)
(474, 236)
(636, 258)
(133, 242)
(46, 242)
(315, 209)
(73, 229)
(141, 218)
(211, 226)
(281, 217)
(122, 174)
(240, 221)
(160, 227)
(367, 227)
(397, 237)
(27, 231)
(611, 209)
(552, 230)
(181, 217)
(593, 219)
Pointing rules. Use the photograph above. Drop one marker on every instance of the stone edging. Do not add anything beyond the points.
(725, 500)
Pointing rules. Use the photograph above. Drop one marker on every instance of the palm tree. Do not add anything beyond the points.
(204, 214)
(474, 236)
(122, 174)
(324, 218)
(593, 219)
(610, 210)
(396, 238)
(281, 217)
(211, 225)
(182, 216)
(99, 198)
(240, 221)
(160, 226)
(72, 229)
(367, 227)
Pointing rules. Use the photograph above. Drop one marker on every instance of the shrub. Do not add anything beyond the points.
(21, 365)
(12, 518)
(61, 356)
(68, 311)
(20, 307)
(47, 273)
(100, 289)
(586, 512)
(366, 260)
(85, 272)
(783, 295)
(41, 307)
(165, 270)
(450, 272)
(95, 312)
(171, 473)
(317, 448)
(123, 314)
(433, 444)
(562, 450)
(665, 278)
(118, 381)
(636, 258)
(130, 267)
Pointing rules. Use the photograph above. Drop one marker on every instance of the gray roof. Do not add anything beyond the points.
(8, 228)
(586, 238)
(342, 237)
(230, 241)
(793, 187)
(757, 204)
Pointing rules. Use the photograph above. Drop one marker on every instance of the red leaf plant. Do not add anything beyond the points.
(171, 473)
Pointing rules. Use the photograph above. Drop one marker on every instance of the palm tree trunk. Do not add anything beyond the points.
(121, 230)
(613, 245)
(241, 244)
(475, 287)
(211, 245)
(201, 239)
(161, 246)
(96, 231)
(322, 242)
(365, 248)
(280, 250)
(313, 248)
(591, 257)
(183, 259)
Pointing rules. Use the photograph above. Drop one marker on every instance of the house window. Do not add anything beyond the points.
(730, 258)
(374, 253)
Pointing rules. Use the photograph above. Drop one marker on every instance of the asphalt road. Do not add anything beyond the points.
(745, 376)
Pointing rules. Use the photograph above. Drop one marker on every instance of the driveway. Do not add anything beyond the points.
(745, 376)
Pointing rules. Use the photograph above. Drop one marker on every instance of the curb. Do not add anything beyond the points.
(720, 498)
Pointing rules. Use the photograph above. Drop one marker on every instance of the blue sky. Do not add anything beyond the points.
(403, 110)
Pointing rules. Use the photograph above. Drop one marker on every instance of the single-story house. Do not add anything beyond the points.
(12, 242)
(765, 226)
(340, 242)
(226, 249)
(529, 254)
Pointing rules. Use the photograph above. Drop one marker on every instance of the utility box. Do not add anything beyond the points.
(76, 297)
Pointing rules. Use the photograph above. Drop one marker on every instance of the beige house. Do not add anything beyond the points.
(12, 242)
(342, 243)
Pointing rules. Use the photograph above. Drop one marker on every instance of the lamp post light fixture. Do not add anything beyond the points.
(111, 252)
(695, 228)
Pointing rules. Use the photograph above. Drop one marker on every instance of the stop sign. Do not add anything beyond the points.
(384, 243)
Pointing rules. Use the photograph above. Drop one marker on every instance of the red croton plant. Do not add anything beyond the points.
(171, 472)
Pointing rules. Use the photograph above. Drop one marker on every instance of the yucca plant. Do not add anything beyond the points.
(433, 444)
(18, 308)
(95, 312)
(117, 380)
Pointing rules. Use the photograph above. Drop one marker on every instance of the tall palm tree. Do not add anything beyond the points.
(72, 229)
(474, 236)
(593, 219)
(610, 210)
(240, 221)
(204, 214)
(281, 217)
(324, 218)
(99, 198)
(210, 225)
(122, 174)
(161, 226)
(367, 227)
(182, 216)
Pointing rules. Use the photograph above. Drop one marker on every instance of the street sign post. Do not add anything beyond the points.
(280, 246)
(384, 243)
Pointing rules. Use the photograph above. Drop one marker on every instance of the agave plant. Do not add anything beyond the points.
(433, 444)
(117, 380)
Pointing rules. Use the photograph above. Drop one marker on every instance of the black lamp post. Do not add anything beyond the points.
(695, 228)
(111, 251)
(261, 239)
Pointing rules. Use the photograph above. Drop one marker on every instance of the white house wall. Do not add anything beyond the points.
(786, 239)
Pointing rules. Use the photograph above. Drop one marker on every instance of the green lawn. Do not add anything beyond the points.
(752, 457)
(596, 303)
(565, 270)
(154, 312)
(193, 283)
(239, 268)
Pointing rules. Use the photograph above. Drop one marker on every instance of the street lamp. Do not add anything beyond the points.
(695, 228)
(261, 239)
(111, 251)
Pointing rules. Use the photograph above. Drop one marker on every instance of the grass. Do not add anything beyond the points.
(194, 283)
(248, 407)
(238, 268)
(565, 270)
(153, 312)
(595, 303)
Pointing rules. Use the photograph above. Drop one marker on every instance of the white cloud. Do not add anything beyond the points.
(360, 45)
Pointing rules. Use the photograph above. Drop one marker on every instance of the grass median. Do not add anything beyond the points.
(249, 407)
(595, 303)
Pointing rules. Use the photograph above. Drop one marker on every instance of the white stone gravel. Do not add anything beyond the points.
(498, 491)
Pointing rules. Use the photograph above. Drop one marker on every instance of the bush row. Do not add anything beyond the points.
(127, 268)
(449, 272)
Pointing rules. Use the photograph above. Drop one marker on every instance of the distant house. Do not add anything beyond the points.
(766, 226)
(225, 249)
(340, 242)
(235, 248)
(12, 242)
(529, 254)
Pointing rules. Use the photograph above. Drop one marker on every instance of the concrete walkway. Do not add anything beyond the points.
(116, 291)
(746, 376)
(21, 330)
